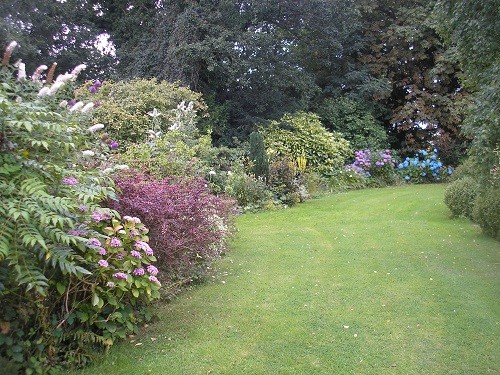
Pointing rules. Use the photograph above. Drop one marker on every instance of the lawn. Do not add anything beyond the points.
(376, 281)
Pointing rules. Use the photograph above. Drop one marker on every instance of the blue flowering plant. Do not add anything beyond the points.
(424, 166)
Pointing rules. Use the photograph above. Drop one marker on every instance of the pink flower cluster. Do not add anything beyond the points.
(70, 181)
(98, 216)
(144, 246)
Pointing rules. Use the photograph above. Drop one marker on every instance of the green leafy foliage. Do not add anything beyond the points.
(258, 156)
(58, 306)
(459, 196)
(356, 124)
(486, 211)
(303, 135)
(130, 109)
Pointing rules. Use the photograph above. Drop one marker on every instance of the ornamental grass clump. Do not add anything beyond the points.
(189, 225)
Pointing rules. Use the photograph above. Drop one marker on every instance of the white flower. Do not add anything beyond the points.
(56, 86)
(64, 77)
(212, 173)
(121, 167)
(95, 128)
(190, 106)
(88, 153)
(38, 72)
(21, 72)
(78, 69)
(63, 104)
(70, 130)
(87, 107)
(175, 126)
(11, 47)
(154, 113)
(76, 107)
(44, 91)
(107, 170)
(229, 173)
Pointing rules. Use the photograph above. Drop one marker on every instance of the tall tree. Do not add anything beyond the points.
(55, 31)
(472, 32)
(425, 99)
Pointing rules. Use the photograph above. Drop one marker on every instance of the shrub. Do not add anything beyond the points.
(356, 124)
(130, 109)
(189, 225)
(424, 167)
(486, 212)
(302, 135)
(460, 195)
(258, 156)
(57, 307)
(285, 182)
(251, 192)
(346, 179)
(377, 165)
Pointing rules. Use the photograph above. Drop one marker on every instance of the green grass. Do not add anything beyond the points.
(375, 281)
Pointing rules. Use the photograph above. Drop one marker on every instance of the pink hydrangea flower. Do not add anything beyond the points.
(138, 272)
(144, 246)
(102, 251)
(154, 280)
(94, 242)
(103, 263)
(152, 270)
(120, 276)
(136, 254)
(115, 242)
(70, 181)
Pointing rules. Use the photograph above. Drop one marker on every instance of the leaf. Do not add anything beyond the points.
(95, 299)
(61, 288)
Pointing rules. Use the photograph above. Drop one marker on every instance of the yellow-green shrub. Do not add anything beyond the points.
(303, 135)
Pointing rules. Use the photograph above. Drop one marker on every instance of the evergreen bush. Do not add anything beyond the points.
(460, 195)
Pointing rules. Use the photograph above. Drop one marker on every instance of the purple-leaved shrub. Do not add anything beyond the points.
(188, 225)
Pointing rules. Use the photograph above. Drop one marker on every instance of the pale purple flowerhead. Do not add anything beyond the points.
(120, 276)
(77, 232)
(93, 89)
(119, 256)
(70, 181)
(154, 280)
(113, 145)
(133, 234)
(83, 208)
(94, 242)
(152, 270)
(138, 272)
(100, 216)
(102, 251)
(103, 263)
(115, 242)
(136, 254)
(144, 246)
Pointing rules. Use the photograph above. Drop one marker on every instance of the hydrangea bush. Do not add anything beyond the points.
(376, 164)
(424, 166)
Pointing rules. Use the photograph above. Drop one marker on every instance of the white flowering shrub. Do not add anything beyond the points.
(72, 276)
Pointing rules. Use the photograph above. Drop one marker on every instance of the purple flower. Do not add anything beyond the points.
(113, 145)
(136, 254)
(120, 275)
(115, 242)
(97, 103)
(133, 234)
(70, 181)
(152, 270)
(83, 208)
(71, 103)
(77, 232)
(154, 280)
(97, 83)
(132, 219)
(102, 250)
(100, 216)
(119, 256)
(103, 263)
(94, 242)
(144, 246)
(138, 272)
(93, 89)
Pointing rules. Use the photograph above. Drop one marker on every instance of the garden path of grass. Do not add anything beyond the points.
(376, 281)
